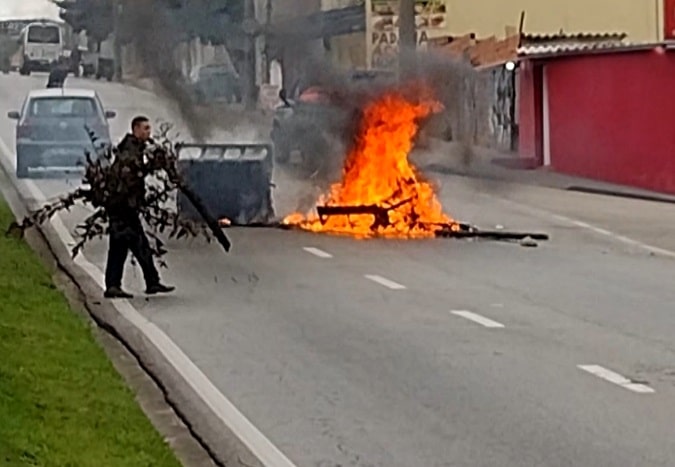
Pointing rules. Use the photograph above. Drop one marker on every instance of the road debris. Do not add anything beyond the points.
(528, 242)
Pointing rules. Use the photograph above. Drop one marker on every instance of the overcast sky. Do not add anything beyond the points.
(18, 9)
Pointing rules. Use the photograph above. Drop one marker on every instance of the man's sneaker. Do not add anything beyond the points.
(116, 292)
(159, 288)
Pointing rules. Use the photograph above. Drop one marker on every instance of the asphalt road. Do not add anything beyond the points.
(432, 353)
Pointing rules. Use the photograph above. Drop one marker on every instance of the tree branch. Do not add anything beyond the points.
(105, 184)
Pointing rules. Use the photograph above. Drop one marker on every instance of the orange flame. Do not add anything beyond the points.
(377, 174)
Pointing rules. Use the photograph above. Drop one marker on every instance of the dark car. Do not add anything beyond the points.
(53, 130)
(311, 124)
(210, 83)
(304, 127)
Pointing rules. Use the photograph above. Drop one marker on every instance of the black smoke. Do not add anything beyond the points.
(153, 34)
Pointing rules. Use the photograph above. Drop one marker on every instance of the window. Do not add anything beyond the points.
(44, 35)
(63, 107)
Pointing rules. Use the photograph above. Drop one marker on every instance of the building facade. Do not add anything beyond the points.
(346, 50)
(602, 114)
(641, 20)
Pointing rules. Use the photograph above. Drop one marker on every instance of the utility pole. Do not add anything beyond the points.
(407, 39)
(117, 45)
(268, 24)
(250, 85)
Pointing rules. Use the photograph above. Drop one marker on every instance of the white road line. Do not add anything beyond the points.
(261, 447)
(317, 252)
(7, 152)
(476, 318)
(598, 230)
(36, 195)
(616, 378)
(385, 282)
(595, 229)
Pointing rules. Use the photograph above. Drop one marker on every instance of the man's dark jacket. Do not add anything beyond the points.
(127, 179)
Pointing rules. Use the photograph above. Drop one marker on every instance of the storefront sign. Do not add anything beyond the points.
(382, 28)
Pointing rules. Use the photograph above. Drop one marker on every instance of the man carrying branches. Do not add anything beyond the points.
(114, 185)
(126, 195)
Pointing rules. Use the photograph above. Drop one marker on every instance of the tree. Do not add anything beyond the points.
(93, 16)
(211, 20)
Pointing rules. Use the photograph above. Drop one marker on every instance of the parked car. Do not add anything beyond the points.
(210, 83)
(52, 130)
(303, 126)
(89, 63)
(42, 44)
(312, 118)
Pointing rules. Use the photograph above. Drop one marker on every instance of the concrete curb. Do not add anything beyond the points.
(622, 193)
(591, 187)
(224, 446)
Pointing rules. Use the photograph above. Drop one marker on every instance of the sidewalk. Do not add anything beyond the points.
(620, 214)
(455, 159)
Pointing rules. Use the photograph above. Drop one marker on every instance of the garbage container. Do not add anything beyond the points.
(234, 181)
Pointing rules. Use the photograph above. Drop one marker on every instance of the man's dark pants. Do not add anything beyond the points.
(126, 234)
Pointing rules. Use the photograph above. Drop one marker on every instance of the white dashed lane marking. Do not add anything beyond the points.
(317, 252)
(476, 318)
(385, 282)
(590, 227)
(616, 378)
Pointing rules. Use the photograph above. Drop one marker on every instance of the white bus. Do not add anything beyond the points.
(42, 44)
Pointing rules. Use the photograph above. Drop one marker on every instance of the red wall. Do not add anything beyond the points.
(529, 111)
(612, 118)
(669, 19)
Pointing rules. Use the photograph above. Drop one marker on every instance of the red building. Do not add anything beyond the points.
(605, 113)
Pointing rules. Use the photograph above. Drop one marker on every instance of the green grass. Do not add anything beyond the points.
(61, 401)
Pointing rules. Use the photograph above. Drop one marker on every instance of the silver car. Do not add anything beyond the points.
(53, 130)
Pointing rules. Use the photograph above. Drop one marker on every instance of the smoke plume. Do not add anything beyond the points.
(450, 80)
(151, 33)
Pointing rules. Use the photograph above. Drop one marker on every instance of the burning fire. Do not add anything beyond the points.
(381, 193)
